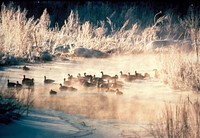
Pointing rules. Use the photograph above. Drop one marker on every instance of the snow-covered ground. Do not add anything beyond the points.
(54, 124)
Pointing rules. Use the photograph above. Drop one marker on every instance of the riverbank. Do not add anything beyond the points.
(50, 123)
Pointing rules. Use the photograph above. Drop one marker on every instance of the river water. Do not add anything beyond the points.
(142, 100)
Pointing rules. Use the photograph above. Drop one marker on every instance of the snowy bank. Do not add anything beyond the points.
(49, 123)
(45, 123)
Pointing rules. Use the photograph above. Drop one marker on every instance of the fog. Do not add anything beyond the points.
(142, 100)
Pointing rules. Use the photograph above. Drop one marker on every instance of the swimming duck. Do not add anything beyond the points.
(88, 84)
(52, 92)
(139, 75)
(70, 77)
(130, 77)
(118, 92)
(67, 82)
(81, 79)
(103, 85)
(26, 68)
(123, 75)
(146, 75)
(113, 78)
(48, 81)
(28, 81)
(96, 79)
(25, 80)
(10, 84)
(104, 76)
(18, 85)
(88, 77)
(63, 88)
(116, 84)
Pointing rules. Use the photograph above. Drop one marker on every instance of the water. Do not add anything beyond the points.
(142, 100)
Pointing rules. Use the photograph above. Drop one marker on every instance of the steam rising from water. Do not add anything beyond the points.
(141, 99)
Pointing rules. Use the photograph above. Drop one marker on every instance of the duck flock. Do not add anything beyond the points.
(105, 83)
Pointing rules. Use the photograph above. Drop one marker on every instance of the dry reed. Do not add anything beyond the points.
(181, 120)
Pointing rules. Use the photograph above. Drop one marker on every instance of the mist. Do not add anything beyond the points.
(142, 100)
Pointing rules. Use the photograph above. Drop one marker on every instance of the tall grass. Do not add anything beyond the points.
(180, 120)
(179, 68)
(13, 102)
(28, 37)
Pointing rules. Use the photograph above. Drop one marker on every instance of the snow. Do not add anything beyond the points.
(50, 123)
(44, 123)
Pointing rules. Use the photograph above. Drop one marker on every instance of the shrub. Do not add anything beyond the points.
(179, 69)
(29, 37)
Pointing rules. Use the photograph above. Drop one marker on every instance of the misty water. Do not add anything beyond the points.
(142, 100)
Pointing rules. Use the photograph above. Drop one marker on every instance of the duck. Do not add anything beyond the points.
(103, 85)
(48, 81)
(26, 68)
(88, 77)
(81, 79)
(88, 84)
(70, 77)
(139, 75)
(52, 92)
(146, 75)
(113, 78)
(28, 81)
(10, 84)
(118, 92)
(18, 85)
(130, 77)
(104, 76)
(116, 84)
(25, 80)
(67, 82)
(96, 79)
(63, 88)
(123, 75)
